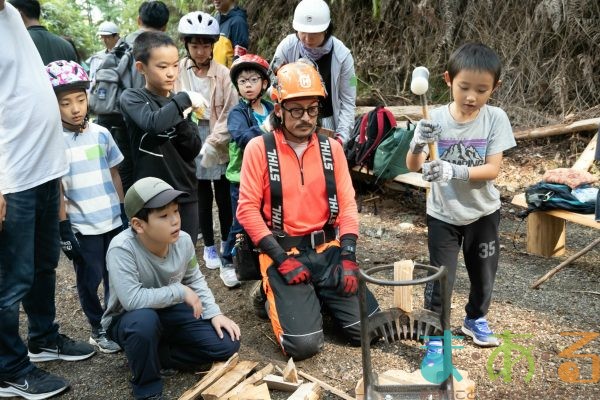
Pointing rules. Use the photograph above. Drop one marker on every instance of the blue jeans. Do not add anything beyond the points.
(234, 189)
(29, 252)
(167, 338)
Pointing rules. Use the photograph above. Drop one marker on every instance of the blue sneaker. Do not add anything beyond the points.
(434, 355)
(481, 333)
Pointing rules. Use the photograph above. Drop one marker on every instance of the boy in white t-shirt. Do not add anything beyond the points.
(91, 211)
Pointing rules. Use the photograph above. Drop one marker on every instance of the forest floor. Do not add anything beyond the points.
(568, 302)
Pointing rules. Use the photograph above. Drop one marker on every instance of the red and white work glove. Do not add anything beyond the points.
(293, 271)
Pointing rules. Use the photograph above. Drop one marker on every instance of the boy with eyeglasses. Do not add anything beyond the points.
(296, 196)
(249, 74)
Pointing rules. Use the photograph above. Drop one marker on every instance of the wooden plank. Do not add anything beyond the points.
(277, 382)
(413, 179)
(249, 382)
(217, 371)
(326, 386)
(586, 159)
(229, 380)
(559, 129)
(307, 391)
(403, 271)
(260, 392)
(414, 113)
(582, 219)
(546, 234)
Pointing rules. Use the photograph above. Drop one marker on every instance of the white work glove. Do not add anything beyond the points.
(198, 101)
(425, 132)
(443, 171)
(210, 156)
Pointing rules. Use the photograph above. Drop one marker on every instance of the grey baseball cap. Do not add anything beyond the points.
(107, 28)
(149, 193)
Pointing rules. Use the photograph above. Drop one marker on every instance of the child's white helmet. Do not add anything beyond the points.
(311, 16)
(198, 23)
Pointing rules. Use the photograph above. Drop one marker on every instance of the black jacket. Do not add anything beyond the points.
(162, 143)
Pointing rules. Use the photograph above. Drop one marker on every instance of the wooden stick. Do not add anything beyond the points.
(326, 386)
(563, 264)
(559, 129)
(586, 159)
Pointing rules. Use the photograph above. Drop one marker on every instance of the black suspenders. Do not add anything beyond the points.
(275, 180)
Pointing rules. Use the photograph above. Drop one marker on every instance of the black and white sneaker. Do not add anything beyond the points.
(105, 345)
(65, 348)
(36, 385)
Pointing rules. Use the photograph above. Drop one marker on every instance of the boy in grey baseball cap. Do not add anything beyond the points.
(159, 298)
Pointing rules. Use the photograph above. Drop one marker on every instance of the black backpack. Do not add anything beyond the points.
(370, 129)
(544, 196)
(112, 78)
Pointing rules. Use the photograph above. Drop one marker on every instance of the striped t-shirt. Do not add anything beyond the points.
(92, 200)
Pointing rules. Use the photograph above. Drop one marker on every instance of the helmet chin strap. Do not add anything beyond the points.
(77, 129)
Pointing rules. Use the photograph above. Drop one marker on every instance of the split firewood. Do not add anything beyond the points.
(403, 271)
(249, 382)
(339, 393)
(307, 391)
(217, 371)
(229, 380)
(277, 382)
(260, 392)
(290, 374)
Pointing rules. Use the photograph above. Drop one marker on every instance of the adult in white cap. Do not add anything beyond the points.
(109, 33)
(314, 40)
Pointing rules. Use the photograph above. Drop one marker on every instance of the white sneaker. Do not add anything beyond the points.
(211, 258)
(228, 276)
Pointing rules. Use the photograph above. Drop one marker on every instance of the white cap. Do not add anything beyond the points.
(107, 28)
(311, 16)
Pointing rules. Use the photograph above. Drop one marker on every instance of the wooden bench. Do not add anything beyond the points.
(546, 230)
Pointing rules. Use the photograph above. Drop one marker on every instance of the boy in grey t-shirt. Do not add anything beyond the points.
(161, 311)
(463, 206)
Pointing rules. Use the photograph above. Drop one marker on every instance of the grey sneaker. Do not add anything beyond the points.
(65, 348)
(104, 344)
(259, 300)
(228, 276)
(35, 385)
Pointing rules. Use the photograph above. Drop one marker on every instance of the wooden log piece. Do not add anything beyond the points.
(290, 374)
(276, 382)
(217, 371)
(559, 129)
(307, 391)
(403, 271)
(249, 382)
(260, 392)
(229, 380)
(326, 386)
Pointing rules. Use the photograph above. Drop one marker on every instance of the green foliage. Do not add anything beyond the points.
(68, 18)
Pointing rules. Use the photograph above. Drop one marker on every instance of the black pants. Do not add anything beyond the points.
(481, 247)
(189, 219)
(205, 203)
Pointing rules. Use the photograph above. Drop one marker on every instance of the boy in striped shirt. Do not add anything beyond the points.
(91, 211)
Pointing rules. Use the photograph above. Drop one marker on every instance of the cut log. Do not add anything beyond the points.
(229, 380)
(403, 271)
(249, 382)
(586, 159)
(465, 389)
(217, 371)
(260, 392)
(290, 374)
(326, 386)
(307, 391)
(277, 382)
(559, 129)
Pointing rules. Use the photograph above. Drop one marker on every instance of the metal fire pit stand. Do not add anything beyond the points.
(372, 389)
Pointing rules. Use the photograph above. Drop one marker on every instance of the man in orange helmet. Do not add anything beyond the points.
(296, 196)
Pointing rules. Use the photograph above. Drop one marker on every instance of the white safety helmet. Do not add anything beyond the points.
(198, 23)
(311, 16)
(107, 28)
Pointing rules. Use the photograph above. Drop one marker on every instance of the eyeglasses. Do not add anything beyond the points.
(253, 80)
(297, 113)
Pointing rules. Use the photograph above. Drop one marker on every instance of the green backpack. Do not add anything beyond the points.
(390, 156)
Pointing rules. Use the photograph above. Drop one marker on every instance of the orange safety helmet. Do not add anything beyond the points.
(297, 80)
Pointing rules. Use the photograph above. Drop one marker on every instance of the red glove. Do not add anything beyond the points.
(293, 271)
(349, 279)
